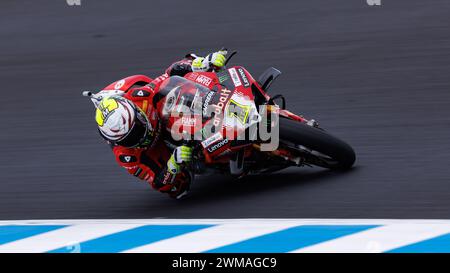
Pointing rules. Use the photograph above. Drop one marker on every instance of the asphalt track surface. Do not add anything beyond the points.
(377, 77)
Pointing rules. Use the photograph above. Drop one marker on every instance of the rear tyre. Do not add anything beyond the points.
(322, 149)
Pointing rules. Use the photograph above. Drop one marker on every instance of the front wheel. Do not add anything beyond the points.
(316, 146)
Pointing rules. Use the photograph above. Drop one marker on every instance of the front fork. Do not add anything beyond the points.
(288, 114)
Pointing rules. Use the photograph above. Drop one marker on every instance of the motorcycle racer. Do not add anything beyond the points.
(149, 124)
(131, 125)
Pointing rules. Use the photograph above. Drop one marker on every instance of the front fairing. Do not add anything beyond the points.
(212, 108)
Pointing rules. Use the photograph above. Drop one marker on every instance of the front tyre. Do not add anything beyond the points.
(316, 146)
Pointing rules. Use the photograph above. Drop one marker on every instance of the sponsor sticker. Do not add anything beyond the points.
(244, 77)
(188, 121)
(223, 76)
(161, 78)
(214, 138)
(204, 80)
(208, 98)
(224, 96)
(192, 76)
(234, 77)
(218, 145)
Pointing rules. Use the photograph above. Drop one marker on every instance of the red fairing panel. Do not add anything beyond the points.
(126, 83)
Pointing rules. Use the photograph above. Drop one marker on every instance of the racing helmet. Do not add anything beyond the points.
(122, 123)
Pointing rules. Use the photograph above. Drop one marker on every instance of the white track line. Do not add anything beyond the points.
(210, 238)
(379, 239)
(63, 237)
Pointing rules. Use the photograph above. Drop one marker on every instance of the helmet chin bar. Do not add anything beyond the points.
(138, 140)
(142, 127)
(96, 98)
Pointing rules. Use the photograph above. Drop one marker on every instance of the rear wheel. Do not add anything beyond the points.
(316, 146)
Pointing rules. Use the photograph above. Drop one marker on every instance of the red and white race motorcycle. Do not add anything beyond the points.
(222, 109)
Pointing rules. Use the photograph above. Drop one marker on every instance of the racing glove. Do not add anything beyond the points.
(213, 60)
(217, 59)
(182, 154)
(199, 65)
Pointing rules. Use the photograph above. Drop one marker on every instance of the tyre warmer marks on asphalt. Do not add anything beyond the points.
(225, 235)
